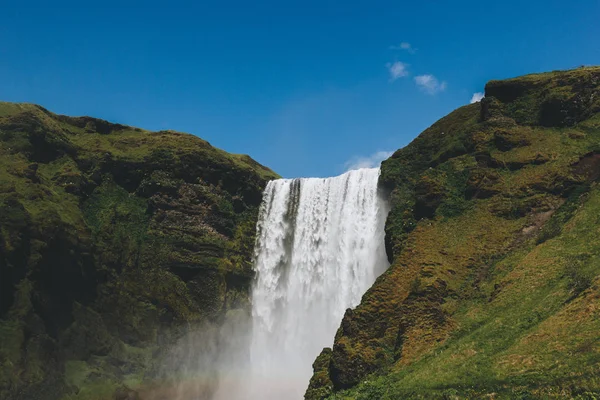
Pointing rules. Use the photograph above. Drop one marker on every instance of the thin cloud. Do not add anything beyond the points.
(477, 97)
(404, 46)
(397, 70)
(430, 84)
(372, 161)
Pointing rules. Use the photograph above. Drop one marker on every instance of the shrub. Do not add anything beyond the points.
(579, 279)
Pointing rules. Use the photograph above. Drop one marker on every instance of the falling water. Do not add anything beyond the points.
(319, 247)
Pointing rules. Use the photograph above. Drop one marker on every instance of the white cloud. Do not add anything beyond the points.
(477, 97)
(404, 46)
(397, 70)
(430, 84)
(372, 161)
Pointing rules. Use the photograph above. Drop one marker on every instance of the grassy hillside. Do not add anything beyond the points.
(114, 241)
(493, 291)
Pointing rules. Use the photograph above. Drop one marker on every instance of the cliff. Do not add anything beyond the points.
(114, 241)
(493, 287)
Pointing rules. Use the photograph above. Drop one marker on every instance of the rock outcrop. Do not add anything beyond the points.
(114, 241)
(492, 236)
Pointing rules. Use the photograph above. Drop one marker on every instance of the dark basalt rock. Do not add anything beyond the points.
(508, 140)
(429, 194)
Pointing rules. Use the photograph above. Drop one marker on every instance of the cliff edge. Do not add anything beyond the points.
(114, 243)
(493, 287)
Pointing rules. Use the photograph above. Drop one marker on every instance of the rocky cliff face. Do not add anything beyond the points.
(493, 240)
(113, 242)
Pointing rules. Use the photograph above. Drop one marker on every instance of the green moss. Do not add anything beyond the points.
(103, 390)
(241, 248)
(494, 272)
(563, 214)
(118, 223)
(8, 109)
(12, 338)
(559, 98)
(457, 174)
(320, 386)
(580, 273)
(147, 232)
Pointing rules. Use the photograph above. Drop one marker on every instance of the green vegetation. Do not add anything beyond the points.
(112, 240)
(493, 288)
(115, 240)
(534, 337)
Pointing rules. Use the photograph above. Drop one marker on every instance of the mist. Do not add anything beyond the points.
(319, 247)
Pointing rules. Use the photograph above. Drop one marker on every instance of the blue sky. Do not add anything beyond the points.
(307, 88)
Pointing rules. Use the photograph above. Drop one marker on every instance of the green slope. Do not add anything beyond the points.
(495, 250)
(114, 242)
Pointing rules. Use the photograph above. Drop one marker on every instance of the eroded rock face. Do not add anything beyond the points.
(320, 386)
(480, 184)
(558, 100)
(113, 242)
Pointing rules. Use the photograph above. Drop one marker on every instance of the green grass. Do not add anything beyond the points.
(519, 341)
(559, 98)
(8, 109)
(494, 266)
(111, 216)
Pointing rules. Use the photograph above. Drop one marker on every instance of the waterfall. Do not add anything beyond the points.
(319, 247)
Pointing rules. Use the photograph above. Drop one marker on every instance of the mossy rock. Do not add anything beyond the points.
(492, 261)
(112, 239)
